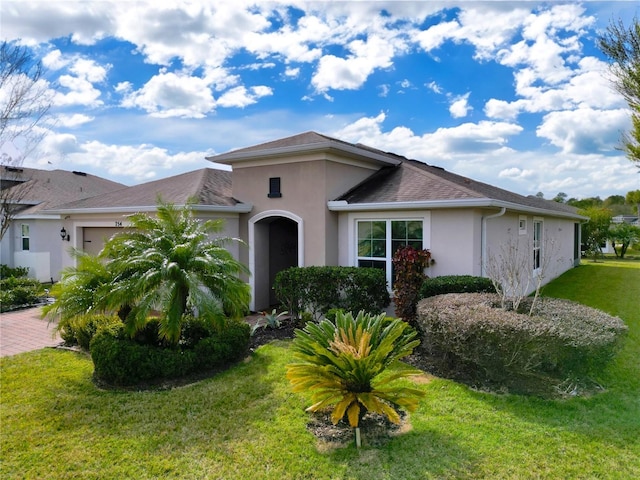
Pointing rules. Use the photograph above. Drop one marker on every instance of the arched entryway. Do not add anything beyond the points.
(275, 243)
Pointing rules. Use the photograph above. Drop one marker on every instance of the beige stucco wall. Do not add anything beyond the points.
(455, 239)
(557, 244)
(455, 242)
(306, 186)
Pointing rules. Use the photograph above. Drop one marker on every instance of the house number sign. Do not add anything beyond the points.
(118, 224)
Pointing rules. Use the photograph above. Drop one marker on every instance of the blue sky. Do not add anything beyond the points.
(510, 93)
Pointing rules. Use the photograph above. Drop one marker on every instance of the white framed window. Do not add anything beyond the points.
(24, 235)
(522, 225)
(537, 244)
(378, 239)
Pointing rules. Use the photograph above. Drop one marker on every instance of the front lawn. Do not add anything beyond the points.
(246, 423)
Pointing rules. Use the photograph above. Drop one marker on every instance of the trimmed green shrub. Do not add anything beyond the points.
(455, 284)
(19, 291)
(320, 289)
(470, 335)
(17, 272)
(121, 360)
(81, 329)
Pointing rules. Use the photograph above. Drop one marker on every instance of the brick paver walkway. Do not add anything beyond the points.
(24, 330)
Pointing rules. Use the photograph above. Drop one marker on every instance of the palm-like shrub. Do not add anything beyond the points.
(343, 365)
(173, 264)
(79, 288)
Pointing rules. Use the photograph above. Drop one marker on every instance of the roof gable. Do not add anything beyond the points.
(308, 142)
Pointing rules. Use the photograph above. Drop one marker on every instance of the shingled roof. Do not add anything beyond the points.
(307, 142)
(416, 182)
(208, 187)
(45, 189)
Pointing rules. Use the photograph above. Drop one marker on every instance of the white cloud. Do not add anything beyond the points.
(73, 120)
(171, 95)
(434, 87)
(80, 88)
(351, 72)
(241, 97)
(459, 106)
(54, 60)
(138, 162)
(292, 72)
(516, 173)
(475, 139)
(585, 130)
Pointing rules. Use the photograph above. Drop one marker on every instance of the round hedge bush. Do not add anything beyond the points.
(124, 361)
(470, 336)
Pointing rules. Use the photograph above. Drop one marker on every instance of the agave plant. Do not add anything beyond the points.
(343, 365)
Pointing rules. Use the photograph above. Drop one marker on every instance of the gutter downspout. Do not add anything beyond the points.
(483, 246)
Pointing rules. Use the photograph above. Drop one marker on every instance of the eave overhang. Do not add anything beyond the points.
(329, 146)
(239, 208)
(343, 206)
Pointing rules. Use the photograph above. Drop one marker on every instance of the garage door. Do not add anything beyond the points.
(94, 238)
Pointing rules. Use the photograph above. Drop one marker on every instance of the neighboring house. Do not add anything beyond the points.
(630, 219)
(311, 199)
(33, 238)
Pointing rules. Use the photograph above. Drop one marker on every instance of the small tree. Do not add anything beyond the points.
(623, 234)
(622, 46)
(510, 270)
(633, 198)
(25, 100)
(409, 265)
(596, 231)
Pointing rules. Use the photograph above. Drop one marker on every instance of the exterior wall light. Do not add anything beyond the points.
(64, 236)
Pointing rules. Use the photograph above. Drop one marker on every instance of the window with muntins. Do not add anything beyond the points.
(378, 240)
(274, 188)
(24, 232)
(537, 244)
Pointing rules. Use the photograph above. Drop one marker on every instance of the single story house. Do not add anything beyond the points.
(311, 199)
(33, 234)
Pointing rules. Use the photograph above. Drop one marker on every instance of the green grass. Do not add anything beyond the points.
(246, 423)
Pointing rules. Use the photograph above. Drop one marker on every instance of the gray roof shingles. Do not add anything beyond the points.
(414, 181)
(46, 189)
(207, 186)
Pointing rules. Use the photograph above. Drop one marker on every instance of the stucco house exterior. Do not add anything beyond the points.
(33, 237)
(311, 199)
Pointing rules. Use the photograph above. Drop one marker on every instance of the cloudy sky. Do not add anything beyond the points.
(511, 93)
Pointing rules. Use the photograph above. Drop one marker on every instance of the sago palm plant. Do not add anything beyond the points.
(79, 288)
(344, 366)
(172, 263)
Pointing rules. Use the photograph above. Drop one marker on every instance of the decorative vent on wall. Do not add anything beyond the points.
(274, 188)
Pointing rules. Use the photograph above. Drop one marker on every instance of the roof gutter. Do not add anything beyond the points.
(343, 206)
(239, 208)
(483, 239)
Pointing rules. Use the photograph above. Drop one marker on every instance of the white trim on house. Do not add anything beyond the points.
(352, 233)
(350, 151)
(239, 208)
(343, 206)
(252, 251)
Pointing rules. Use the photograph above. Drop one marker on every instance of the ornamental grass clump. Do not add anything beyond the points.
(345, 366)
